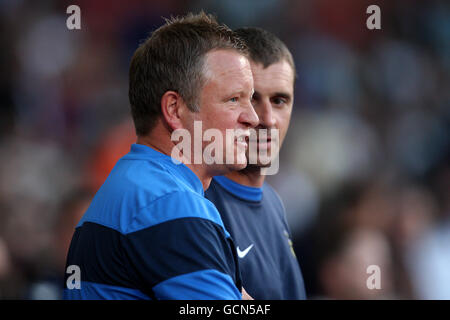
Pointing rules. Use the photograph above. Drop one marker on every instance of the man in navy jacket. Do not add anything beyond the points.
(251, 210)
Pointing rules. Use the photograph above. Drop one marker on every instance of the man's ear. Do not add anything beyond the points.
(171, 105)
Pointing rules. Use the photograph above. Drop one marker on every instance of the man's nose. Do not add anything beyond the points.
(249, 116)
(265, 114)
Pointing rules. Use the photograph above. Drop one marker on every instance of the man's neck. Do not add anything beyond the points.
(250, 176)
(163, 144)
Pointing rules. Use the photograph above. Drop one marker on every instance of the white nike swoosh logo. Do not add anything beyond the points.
(243, 253)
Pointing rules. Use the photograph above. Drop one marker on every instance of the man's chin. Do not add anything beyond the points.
(256, 167)
(220, 170)
(237, 166)
(259, 163)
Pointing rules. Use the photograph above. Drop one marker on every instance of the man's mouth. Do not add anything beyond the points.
(242, 140)
(262, 143)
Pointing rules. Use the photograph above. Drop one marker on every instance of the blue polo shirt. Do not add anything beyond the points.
(149, 233)
(255, 218)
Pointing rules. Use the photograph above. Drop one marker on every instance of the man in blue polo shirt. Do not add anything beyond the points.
(251, 210)
(149, 233)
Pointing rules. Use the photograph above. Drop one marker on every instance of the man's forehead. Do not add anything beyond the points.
(281, 66)
(278, 76)
(227, 65)
(226, 57)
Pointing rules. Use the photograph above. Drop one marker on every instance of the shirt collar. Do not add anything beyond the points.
(240, 190)
(140, 151)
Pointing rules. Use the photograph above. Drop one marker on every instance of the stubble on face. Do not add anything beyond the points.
(273, 101)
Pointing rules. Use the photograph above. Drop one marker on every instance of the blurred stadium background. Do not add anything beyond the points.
(364, 172)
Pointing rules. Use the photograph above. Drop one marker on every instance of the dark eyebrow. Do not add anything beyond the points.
(284, 95)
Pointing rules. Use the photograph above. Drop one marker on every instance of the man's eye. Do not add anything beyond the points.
(235, 99)
(278, 101)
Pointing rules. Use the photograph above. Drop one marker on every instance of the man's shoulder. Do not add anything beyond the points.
(148, 175)
(140, 193)
(270, 194)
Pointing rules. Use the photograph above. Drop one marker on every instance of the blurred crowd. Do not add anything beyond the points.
(364, 171)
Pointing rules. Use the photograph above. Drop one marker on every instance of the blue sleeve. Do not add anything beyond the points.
(200, 285)
(187, 254)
